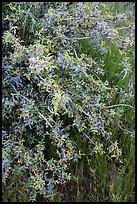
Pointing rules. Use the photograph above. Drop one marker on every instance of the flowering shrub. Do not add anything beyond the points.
(60, 101)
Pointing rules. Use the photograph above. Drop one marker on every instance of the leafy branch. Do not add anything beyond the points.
(34, 106)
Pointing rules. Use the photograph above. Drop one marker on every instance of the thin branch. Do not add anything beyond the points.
(68, 19)
(83, 38)
(127, 131)
(34, 107)
(88, 138)
(86, 67)
(19, 93)
(94, 72)
(44, 118)
(116, 105)
(124, 28)
(75, 53)
(80, 18)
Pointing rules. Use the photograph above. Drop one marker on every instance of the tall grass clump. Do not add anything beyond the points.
(68, 108)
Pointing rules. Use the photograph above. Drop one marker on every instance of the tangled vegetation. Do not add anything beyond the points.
(68, 101)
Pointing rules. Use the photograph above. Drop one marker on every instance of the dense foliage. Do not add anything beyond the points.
(68, 101)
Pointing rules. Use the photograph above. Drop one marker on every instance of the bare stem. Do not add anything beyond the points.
(127, 131)
(88, 138)
(116, 105)
(83, 38)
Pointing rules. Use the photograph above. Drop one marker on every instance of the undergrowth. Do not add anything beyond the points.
(68, 117)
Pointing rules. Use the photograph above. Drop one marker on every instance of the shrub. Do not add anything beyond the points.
(67, 97)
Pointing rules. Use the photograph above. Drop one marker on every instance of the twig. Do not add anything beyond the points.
(75, 53)
(116, 105)
(92, 62)
(93, 71)
(131, 132)
(34, 106)
(124, 28)
(44, 118)
(80, 18)
(88, 138)
(19, 93)
(83, 38)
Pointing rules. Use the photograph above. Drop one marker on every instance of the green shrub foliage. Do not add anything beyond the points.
(67, 96)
